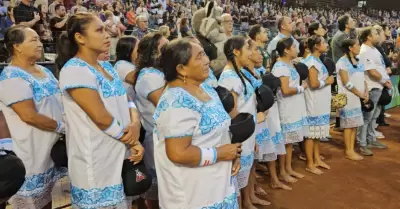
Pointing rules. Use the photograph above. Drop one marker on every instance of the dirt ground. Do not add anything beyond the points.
(373, 183)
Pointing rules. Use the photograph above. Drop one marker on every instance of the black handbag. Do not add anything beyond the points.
(59, 153)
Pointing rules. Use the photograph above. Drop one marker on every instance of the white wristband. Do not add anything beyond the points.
(321, 84)
(349, 85)
(114, 130)
(60, 127)
(300, 89)
(208, 156)
(131, 105)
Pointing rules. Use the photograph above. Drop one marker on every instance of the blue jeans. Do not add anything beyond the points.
(366, 133)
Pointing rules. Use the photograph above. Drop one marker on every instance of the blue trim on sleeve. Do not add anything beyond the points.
(79, 86)
(215, 155)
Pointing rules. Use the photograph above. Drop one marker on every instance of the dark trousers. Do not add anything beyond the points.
(381, 117)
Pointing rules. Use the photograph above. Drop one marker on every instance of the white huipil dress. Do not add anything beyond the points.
(30, 144)
(123, 68)
(292, 109)
(179, 114)
(351, 115)
(246, 103)
(266, 148)
(318, 101)
(94, 158)
(274, 124)
(148, 81)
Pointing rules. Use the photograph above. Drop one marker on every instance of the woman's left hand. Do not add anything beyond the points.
(133, 133)
(235, 166)
(137, 153)
(260, 117)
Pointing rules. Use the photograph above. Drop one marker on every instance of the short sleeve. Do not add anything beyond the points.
(281, 71)
(14, 90)
(367, 61)
(176, 122)
(231, 81)
(123, 69)
(149, 82)
(72, 77)
(341, 65)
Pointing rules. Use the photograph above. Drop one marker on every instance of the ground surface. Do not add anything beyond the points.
(373, 183)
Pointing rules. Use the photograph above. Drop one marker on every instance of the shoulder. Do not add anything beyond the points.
(228, 73)
(122, 64)
(151, 72)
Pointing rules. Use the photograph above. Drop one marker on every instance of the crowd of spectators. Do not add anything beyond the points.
(173, 17)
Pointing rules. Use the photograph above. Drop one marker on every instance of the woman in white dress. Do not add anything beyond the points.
(125, 63)
(352, 83)
(31, 102)
(238, 52)
(102, 124)
(291, 104)
(318, 103)
(149, 85)
(266, 148)
(193, 150)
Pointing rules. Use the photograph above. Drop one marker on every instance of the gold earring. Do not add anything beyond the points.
(184, 79)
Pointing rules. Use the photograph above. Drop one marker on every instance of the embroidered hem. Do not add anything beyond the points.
(229, 202)
(97, 197)
(352, 122)
(318, 132)
(293, 137)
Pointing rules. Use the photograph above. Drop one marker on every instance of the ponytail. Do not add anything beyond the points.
(65, 50)
(230, 45)
(237, 70)
(274, 57)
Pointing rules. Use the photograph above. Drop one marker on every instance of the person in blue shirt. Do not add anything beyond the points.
(6, 21)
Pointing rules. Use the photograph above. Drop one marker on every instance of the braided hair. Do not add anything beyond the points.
(281, 46)
(346, 48)
(229, 46)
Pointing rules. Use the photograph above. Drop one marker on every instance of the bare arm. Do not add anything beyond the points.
(344, 77)
(375, 75)
(26, 111)
(286, 90)
(155, 96)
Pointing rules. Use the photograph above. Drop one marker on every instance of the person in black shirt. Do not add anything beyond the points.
(58, 22)
(26, 14)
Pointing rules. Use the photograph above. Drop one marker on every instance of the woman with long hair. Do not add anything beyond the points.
(237, 52)
(318, 103)
(352, 83)
(102, 122)
(31, 103)
(193, 150)
(291, 104)
(149, 85)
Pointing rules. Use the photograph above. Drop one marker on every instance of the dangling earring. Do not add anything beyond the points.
(184, 79)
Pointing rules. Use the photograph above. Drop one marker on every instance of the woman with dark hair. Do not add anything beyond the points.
(44, 30)
(102, 122)
(316, 28)
(291, 104)
(149, 85)
(31, 103)
(188, 150)
(318, 103)
(125, 63)
(184, 28)
(350, 79)
(237, 52)
(7, 21)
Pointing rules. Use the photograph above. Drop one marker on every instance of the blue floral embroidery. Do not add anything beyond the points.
(107, 88)
(246, 162)
(262, 136)
(260, 71)
(38, 183)
(41, 87)
(350, 113)
(290, 127)
(277, 138)
(211, 80)
(293, 72)
(254, 81)
(318, 120)
(226, 74)
(97, 197)
(212, 112)
(229, 202)
(349, 67)
(145, 71)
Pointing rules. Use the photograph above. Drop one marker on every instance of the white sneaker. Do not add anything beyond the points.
(387, 115)
(379, 135)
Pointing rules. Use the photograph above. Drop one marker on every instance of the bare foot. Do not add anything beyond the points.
(302, 157)
(261, 167)
(322, 165)
(248, 206)
(260, 191)
(295, 174)
(280, 185)
(287, 178)
(314, 170)
(353, 156)
(257, 201)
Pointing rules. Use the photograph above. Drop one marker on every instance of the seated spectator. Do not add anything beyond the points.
(131, 19)
(142, 11)
(6, 21)
(141, 27)
(185, 30)
(26, 14)
(78, 7)
(58, 21)
(172, 28)
(164, 30)
(52, 7)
